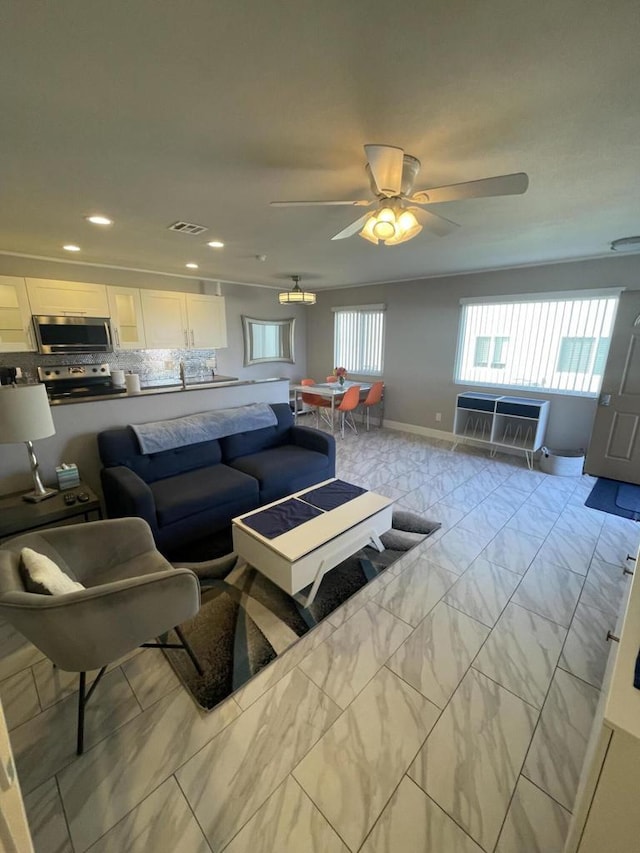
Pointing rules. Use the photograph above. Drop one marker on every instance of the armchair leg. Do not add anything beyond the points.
(189, 650)
(83, 698)
(183, 644)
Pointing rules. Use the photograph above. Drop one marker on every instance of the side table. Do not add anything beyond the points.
(18, 516)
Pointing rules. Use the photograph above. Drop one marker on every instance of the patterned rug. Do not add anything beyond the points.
(245, 621)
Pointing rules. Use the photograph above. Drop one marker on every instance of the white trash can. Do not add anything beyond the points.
(563, 463)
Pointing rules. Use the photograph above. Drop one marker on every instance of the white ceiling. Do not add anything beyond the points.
(157, 110)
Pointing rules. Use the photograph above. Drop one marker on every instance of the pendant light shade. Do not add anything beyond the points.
(296, 296)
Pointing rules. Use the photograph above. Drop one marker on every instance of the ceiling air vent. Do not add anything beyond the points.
(187, 227)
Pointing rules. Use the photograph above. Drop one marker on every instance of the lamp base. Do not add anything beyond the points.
(35, 497)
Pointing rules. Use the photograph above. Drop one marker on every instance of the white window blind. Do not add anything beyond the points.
(556, 342)
(359, 339)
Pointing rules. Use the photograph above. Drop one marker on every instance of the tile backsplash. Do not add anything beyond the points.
(152, 365)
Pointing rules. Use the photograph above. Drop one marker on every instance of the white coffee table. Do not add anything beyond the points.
(304, 555)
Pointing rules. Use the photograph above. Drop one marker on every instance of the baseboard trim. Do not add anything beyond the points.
(419, 430)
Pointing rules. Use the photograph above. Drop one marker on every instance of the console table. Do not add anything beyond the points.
(513, 422)
(18, 516)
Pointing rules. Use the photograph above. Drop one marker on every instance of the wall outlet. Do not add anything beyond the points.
(438, 416)
(211, 363)
(169, 365)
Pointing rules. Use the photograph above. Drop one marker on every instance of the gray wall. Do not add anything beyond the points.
(421, 338)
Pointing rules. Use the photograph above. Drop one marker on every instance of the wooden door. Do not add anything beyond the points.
(207, 321)
(614, 450)
(165, 319)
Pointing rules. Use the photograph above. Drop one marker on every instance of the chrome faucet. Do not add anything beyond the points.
(183, 376)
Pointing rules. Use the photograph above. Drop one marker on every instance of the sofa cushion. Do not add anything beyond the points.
(253, 441)
(190, 493)
(121, 447)
(278, 468)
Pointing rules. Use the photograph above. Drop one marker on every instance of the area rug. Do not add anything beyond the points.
(614, 497)
(245, 621)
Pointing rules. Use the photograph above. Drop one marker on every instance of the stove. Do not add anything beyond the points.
(64, 381)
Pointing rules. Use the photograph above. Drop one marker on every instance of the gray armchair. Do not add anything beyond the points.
(132, 595)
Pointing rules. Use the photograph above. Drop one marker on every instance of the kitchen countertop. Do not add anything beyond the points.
(150, 390)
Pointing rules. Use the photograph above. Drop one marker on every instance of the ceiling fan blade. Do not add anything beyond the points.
(515, 184)
(359, 203)
(352, 229)
(385, 162)
(434, 223)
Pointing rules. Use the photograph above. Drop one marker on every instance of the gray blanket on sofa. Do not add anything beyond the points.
(156, 436)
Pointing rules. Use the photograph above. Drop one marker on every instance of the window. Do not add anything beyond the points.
(358, 342)
(552, 342)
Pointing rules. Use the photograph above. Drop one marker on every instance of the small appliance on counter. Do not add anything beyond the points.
(10, 375)
(65, 381)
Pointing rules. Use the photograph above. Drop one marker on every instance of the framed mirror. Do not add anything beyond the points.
(268, 340)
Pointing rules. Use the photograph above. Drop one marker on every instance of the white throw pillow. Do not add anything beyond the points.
(45, 573)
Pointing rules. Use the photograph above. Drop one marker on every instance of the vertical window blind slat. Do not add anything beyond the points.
(359, 341)
(558, 344)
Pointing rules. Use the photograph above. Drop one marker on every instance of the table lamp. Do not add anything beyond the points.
(25, 416)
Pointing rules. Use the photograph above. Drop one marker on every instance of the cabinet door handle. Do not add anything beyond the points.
(630, 558)
(626, 571)
(186, 337)
(117, 337)
(193, 342)
(613, 637)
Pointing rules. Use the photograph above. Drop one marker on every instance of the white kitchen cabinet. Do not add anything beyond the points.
(207, 321)
(127, 325)
(606, 815)
(47, 296)
(183, 320)
(16, 332)
(165, 319)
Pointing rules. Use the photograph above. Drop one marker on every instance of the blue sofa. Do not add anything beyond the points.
(192, 492)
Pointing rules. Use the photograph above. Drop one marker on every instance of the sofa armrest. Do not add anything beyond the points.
(126, 494)
(314, 439)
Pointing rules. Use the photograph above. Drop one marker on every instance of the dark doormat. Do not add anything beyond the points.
(614, 497)
(230, 634)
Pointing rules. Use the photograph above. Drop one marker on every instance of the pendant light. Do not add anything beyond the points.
(295, 296)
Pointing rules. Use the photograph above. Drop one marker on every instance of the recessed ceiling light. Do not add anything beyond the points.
(99, 220)
(216, 244)
(192, 266)
(70, 247)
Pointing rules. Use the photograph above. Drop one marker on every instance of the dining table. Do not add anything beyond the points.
(329, 390)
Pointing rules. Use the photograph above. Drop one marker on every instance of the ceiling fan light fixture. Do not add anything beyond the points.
(626, 244)
(296, 296)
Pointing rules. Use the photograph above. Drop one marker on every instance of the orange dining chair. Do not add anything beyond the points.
(332, 378)
(316, 402)
(349, 402)
(373, 398)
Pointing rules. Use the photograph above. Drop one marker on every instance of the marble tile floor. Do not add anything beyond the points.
(444, 709)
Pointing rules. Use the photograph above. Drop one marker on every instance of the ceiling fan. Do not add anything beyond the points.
(392, 174)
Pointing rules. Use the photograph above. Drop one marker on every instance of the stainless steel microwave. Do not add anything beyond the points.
(68, 334)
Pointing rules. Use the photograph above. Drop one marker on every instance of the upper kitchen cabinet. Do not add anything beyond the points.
(207, 321)
(165, 319)
(183, 320)
(16, 334)
(67, 297)
(125, 309)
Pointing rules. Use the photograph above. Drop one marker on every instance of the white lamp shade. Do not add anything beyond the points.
(24, 413)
